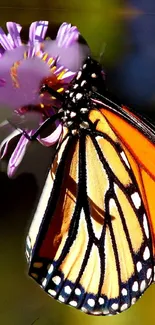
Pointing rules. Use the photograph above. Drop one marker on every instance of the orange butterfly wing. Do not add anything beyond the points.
(90, 244)
(141, 155)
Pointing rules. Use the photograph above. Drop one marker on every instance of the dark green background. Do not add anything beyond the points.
(101, 22)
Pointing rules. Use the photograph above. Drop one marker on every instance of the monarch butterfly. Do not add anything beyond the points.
(91, 244)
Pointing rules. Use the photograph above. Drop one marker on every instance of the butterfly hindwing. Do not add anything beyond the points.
(93, 245)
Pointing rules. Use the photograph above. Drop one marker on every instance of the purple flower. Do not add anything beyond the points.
(24, 68)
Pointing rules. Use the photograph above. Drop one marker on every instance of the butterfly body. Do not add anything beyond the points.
(77, 100)
(91, 243)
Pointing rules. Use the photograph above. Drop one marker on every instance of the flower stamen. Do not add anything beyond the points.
(50, 62)
(13, 73)
(60, 90)
(45, 56)
(25, 55)
(61, 74)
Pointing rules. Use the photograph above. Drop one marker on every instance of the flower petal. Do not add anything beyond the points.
(71, 57)
(14, 33)
(67, 35)
(66, 48)
(52, 138)
(66, 77)
(38, 31)
(4, 41)
(24, 89)
(16, 54)
(37, 34)
(18, 155)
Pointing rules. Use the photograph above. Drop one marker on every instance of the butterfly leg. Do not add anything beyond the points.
(38, 131)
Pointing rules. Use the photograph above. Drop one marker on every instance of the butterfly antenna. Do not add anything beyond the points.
(34, 321)
(4, 123)
(14, 125)
(106, 99)
(102, 51)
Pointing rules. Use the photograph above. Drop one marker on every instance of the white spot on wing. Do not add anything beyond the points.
(149, 273)
(145, 225)
(61, 298)
(84, 309)
(56, 279)
(50, 270)
(142, 285)
(136, 200)
(114, 306)
(139, 266)
(44, 282)
(123, 307)
(77, 291)
(91, 302)
(67, 289)
(73, 303)
(133, 301)
(125, 158)
(112, 203)
(135, 286)
(146, 253)
(52, 292)
(124, 292)
(101, 301)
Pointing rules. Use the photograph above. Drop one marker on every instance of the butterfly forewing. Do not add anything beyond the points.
(140, 151)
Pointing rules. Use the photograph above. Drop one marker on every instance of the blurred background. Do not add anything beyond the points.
(121, 34)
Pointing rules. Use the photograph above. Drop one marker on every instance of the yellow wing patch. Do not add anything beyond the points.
(110, 286)
(97, 188)
(74, 259)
